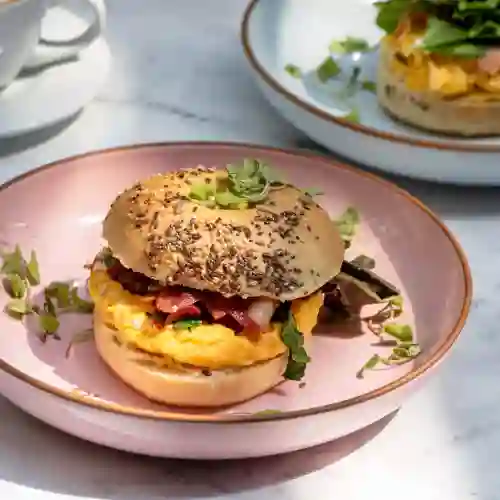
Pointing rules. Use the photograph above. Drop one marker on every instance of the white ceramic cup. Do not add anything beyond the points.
(21, 45)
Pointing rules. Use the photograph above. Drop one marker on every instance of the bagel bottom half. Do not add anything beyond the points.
(185, 388)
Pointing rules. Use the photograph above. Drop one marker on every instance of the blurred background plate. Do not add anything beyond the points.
(280, 32)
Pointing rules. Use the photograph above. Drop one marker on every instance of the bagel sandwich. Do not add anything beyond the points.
(209, 283)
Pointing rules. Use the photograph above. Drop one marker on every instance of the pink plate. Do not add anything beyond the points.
(57, 210)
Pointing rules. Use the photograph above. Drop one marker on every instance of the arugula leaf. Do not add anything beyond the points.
(349, 46)
(369, 365)
(390, 13)
(78, 304)
(402, 333)
(327, 70)
(352, 116)
(15, 286)
(18, 308)
(33, 272)
(369, 86)
(248, 182)
(49, 324)
(226, 199)
(347, 225)
(60, 292)
(186, 324)
(202, 191)
(14, 263)
(404, 352)
(293, 70)
(488, 29)
(396, 304)
(457, 28)
(465, 50)
(297, 355)
(439, 33)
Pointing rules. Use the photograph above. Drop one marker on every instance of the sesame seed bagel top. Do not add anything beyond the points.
(284, 247)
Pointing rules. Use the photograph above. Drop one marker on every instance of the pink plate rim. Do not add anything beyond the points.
(239, 418)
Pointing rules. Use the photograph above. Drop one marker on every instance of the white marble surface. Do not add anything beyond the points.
(179, 74)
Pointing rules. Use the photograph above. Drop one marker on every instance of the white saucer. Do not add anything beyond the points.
(39, 100)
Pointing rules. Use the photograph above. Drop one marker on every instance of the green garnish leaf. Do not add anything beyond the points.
(186, 324)
(349, 46)
(402, 353)
(458, 28)
(202, 191)
(293, 70)
(441, 33)
(396, 304)
(369, 365)
(327, 70)
(251, 177)
(78, 304)
(464, 50)
(248, 182)
(347, 225)
(18, 308)
(227, 199)
(14, 263)
(297, 355)
(66, 298)
(32, 268)
(402, 333)
(48, 304)
(49, 323)
(390, 13)
(59, 291)
(352, 116)
(15, 286)
(369, 86)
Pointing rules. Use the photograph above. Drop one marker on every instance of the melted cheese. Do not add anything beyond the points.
(447, 76)
(209, 345)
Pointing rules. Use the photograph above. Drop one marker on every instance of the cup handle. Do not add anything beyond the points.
(52, 51)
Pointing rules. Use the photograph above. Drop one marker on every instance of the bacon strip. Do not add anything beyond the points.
(490, 62)
(179, 303)
(171, 300)
(183, 312)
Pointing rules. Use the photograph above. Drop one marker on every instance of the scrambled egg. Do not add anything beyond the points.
(211, 346)
(446, 75)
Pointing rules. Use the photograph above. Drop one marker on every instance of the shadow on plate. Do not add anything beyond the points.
(87, 470)
(22, 142)
(78, 363)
